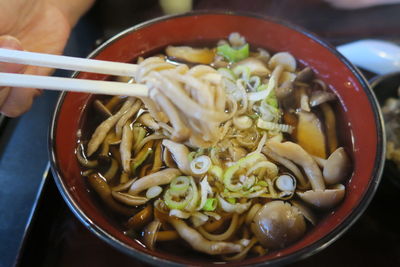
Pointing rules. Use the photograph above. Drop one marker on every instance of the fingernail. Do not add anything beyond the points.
(8, 41)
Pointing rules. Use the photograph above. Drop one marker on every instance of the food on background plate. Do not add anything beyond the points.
(235, 154)
(391, 116)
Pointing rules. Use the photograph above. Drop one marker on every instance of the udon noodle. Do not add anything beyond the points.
(234, 153)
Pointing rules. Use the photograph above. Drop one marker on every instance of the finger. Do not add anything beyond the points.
(15, 101)
(19, 101)
(9, 42)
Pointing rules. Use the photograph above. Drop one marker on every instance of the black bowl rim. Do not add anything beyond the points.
(374, 81)
(297, 255)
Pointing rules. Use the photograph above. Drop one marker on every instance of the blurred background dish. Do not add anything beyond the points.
(386, 89)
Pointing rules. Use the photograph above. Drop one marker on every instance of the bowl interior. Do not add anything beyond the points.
(361, 127)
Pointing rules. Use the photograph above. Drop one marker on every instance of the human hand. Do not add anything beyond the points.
(37, 26)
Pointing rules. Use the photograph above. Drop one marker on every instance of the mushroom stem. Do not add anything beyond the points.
(180, 154)
(157, 178)
(148, 120)
(102, 130)
(104, 191)
(298, 155)
(102, 109)
(199, 243)
(125, 147)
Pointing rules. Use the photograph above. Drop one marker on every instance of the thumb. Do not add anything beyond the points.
(10, 42)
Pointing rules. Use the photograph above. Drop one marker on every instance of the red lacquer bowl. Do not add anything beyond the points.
(361, 125)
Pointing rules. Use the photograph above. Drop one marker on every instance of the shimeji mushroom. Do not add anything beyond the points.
(320, 96)
(180, 154)
(103, 110)
(128, 199)
(305, 75)
(199, 243)
(305, 211)
(336, 167)
(255, 65)
(278, 224)
(149, 121)
(319, 196)
(324, 199)
(158, 178)
(280, 62)
(286, 183)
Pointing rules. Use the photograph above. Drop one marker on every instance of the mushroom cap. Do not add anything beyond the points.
(256, 66)
(278, 224)
(305, 211)
(286, 182)
(284, 59)
(336, 167)
(305, 75)
(323, 199)
(321, 96)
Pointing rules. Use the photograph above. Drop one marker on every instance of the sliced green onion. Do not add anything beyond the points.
(254, 116)
(233, 54)
(258, 187)
(191, 156)
(200, 165)
(211, 204)
(262, 93)
(180, 184)
(262, 183)
(191, 206)
(139, 133)
(262, 87)
(136, 163)
(205, 190)
(227, 73)
(254, 82)
(249, 182)
(231, 200)
(214, 156)
(272, 100)
(179, 205)
(242, 72)
(242, 163)
(216, 171)
(272, 126)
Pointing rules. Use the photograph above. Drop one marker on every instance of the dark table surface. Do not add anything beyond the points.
(374, 240)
